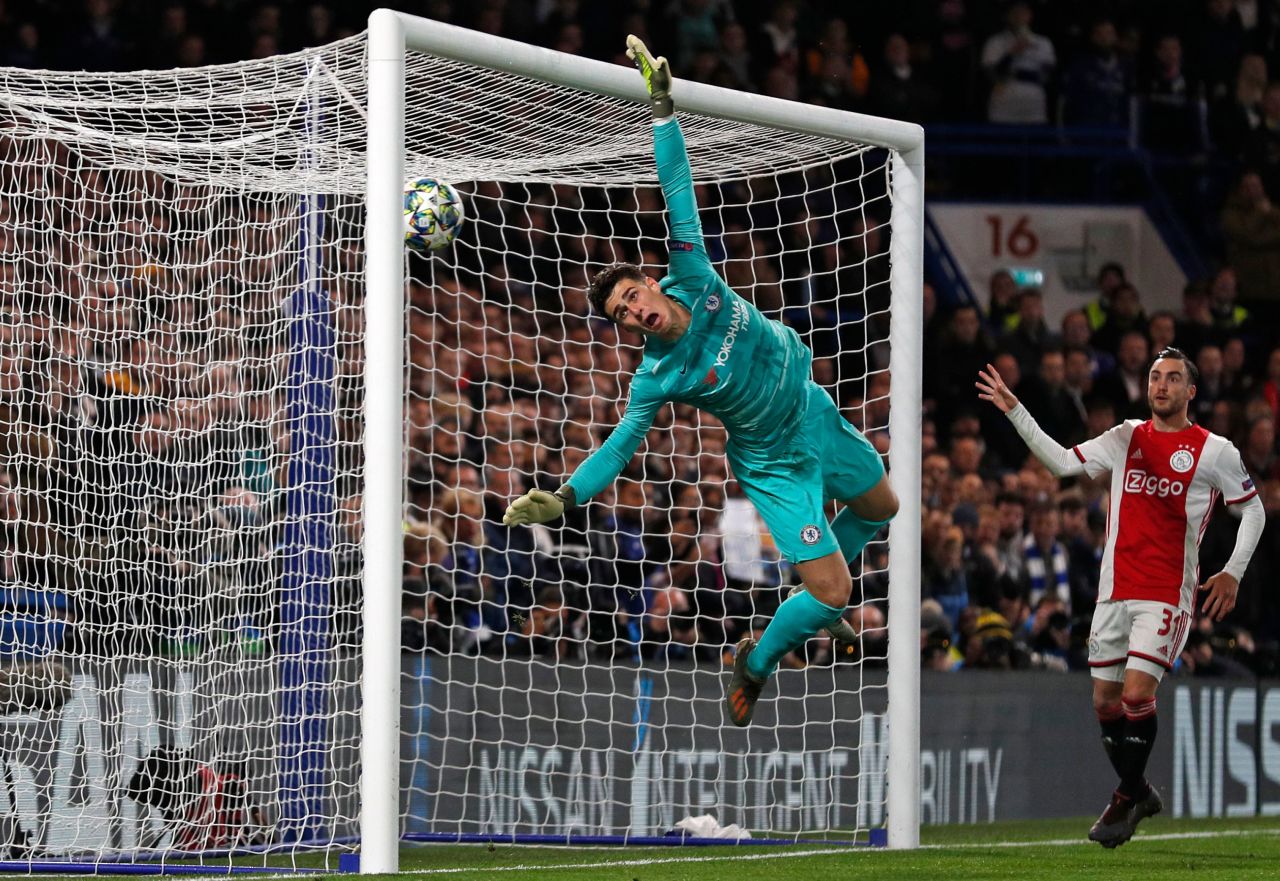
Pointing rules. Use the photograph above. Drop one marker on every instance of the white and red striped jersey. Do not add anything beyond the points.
(1164, 485)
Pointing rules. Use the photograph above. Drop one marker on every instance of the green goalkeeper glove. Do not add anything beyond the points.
(538, 506)
(657, 76)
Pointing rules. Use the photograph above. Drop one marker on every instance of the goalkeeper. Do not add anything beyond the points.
(788, 445)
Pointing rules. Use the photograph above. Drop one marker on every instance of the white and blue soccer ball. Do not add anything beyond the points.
(432, 214)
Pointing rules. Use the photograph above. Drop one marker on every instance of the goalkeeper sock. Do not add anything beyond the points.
(852, 533)
(1135, 749)
(1112, 723)
(800, 617)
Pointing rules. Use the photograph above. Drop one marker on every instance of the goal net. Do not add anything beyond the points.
(186, 468)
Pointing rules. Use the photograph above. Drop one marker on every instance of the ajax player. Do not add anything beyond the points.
(1166, 475)
(789, 447)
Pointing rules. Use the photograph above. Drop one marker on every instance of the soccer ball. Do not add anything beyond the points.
(432, 214)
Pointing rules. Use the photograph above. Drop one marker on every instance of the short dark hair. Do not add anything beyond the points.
(1010, 498)
(602, 284)
(1193, 372)
(1070, 504)
(1117, 268)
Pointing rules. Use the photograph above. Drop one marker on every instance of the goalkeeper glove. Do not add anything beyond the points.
(538, 506)
(657, 76)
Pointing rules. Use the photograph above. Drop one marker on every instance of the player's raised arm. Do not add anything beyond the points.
(1061, 461)
(669, 151)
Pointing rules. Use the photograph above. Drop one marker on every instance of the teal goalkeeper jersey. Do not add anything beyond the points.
(746, 370)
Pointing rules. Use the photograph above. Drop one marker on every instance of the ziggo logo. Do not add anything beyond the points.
(1139, 481)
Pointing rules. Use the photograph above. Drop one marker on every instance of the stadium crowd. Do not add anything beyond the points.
(192, 452)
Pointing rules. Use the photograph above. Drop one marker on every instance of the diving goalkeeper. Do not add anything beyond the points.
(789, 447)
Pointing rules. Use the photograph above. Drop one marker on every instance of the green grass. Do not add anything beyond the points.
(1054, 849)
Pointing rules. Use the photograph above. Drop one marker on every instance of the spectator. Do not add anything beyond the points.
(1010, 560)
(696, 29)
(898, 89)
(1262, 148)
(1099, 83)
(1271, 386)
(171, 28)
(469, 578)
(1162, 330)
(1077, 380)
(1200, 659)
(1251, 227)
(1126, 387)
(944, 576)
(1046, 558)
(1210, 388)
(1110, 277)
(1084, 553)
(778, 40)
(1233, 119)
(1002, 303)
(1238, 383)
(1029, 336)
(735, 57)
(1228, 316)
(1174, 108)
(981, 573)
(24, 46)
(948, 373)
(1124, 315)
(1051, 643)
(1195, 326)
(1006, 449)
(938, 653)
(101, 42)
(837, 73)
(1020, 64)
(1217, 46)
(1046, 396)
(1259, 450)
(952, 53)
(991, 645)
(1076, 334)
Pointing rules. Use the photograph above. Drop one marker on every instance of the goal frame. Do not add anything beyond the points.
(391, 34)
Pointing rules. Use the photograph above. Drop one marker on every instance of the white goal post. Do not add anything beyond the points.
(391, 35)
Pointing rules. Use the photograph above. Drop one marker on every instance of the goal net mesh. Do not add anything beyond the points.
(571, 677)
(181, 389)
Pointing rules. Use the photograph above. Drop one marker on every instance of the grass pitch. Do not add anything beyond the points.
(1206, 850)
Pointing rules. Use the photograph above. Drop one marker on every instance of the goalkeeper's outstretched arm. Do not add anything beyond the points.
(602, 466)
(1061, 461)
(689, 258)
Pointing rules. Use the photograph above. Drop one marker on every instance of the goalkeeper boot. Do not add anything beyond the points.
(1115, 826)
(845, 638)
(744, 689)
(1147, 806)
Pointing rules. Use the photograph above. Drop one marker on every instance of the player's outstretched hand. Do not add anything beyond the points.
(1222, 595)
(656, 73)
(535, 506)
(992, 388)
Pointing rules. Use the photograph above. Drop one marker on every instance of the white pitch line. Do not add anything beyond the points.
(777, 855)
(624, 863)
(1063, 842)
(658, 861)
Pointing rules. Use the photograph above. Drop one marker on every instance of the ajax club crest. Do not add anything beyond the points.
(1182, 461)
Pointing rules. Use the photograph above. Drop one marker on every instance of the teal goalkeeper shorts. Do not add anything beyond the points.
(824, 458)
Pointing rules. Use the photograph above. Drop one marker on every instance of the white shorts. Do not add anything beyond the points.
(1136, 635)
